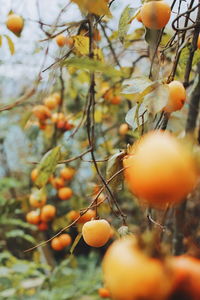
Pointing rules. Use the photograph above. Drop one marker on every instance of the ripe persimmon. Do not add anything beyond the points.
(57, 182)
(34, 174)
(155, 14)
(41, 112)
(48, 212)
(123, 129)
(177, 96)
(186, 274)
(104, 293)
(33, 217)
(60, 40)
(116, 100)
(90, 214)
(65, 193)
(96, 233)
(37, 199)
(65, 239)
(159, 170)
(67, 173)
(129, 274)
(43, 226)
(50, 102)
(15, 23)
(56, 244)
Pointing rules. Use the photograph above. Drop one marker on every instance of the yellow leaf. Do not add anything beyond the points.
(98, 116)
(98, 55)
(81, 45)
(10, 44)
(97, 7)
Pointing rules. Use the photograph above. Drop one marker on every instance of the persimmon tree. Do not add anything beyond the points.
(113, 151)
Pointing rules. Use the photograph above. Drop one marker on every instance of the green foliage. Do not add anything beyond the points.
(124, 21)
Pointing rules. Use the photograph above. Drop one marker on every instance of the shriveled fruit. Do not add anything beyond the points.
(155, 14)
(50, 102)
(177, 96)
(67, 173)
(65, 239)
(37, 199)
(48, 212)
(33, 217)
(58, 182)
(186, 277)
(104, 293)
(43, 226)
(123, 129)
(129, 274)
(60, 40)
(34, 174)
(159, 170)
(41, 112)
(15, 23)
(96, 233)
(56, 244)
(65, 193)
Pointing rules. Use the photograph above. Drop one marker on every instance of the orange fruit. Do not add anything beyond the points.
(57, 182)
(33, 217)
(37, 199)
(68, 126)
(43, 226)
(60, 40)
(56, 244)
(129, 274)
(57, 117)
(186, 276)
(41, 112)
(96, 35)
(177, 96)
(65, 239)
(104, 293)
(123, 129)
(116, 100)
(34, 174)
(61, 124)
(198, 42)
(108, 95)
(67, 173)
(138, 17)
(73, 215)
(50, 102)
(57, 96)
(155, 14)
(48, 212)
(96, 233)
(90, 214)
(69, 42)
(15, 23)
(159, 170)
(65, 193)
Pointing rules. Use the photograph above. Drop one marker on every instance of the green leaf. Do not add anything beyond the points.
(75, 243)
(10, 44)
(137, 87)
(124, 21)
(15, 222)
(86, 63)
(47, 166)
(137, 116)
(20, 233)
(157, 99)
(115, 163)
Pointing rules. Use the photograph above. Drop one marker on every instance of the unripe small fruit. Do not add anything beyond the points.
(96, 233)
(155, 14)
(65, 193)
(15, 23)
(60, 40)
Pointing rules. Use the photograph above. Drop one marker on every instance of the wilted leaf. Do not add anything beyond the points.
(97, 7)
(92, 65)
(75, 243)
(124, 21)
(115, 163)
(10, 44)
(137, 87)
(137, 116)
(157, 99)
(47, 166)
(81, 45)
